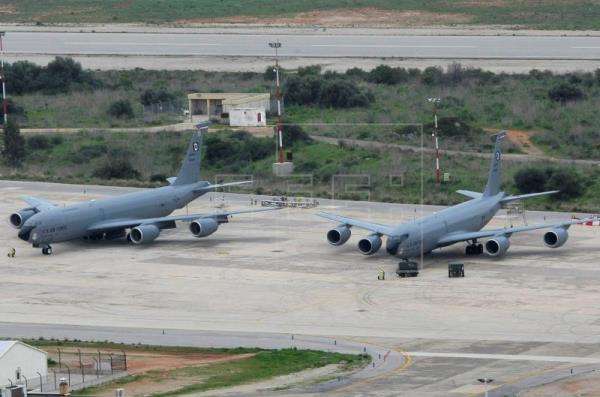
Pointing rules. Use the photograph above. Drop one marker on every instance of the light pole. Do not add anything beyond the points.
(4, 102)
(434, 137)
(280, 158)
(485, 381)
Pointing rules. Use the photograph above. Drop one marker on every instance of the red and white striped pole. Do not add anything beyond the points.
(4, 101)
(434, 136)
(280, 152)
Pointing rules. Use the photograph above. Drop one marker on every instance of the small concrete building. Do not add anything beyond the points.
(247, 117)
(18, 359)
(204, 106)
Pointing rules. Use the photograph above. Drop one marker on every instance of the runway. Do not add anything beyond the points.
(264, 277)
(304, 45)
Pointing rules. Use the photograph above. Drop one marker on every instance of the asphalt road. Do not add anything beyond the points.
(305, 45)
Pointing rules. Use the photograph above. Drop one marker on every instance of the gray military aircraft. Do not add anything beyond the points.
(143, 213)
(462, 222)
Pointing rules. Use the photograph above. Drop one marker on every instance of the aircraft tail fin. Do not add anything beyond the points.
(190, 167)
(495, 176)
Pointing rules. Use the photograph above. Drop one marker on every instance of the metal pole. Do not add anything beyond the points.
(59, 358)
(24, 377)
(81, 367)
(55, 385)
(41, 382)
(280, 152)
(69, 372)
(4, 101)
(434, 137)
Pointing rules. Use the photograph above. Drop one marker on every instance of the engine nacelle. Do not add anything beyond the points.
(144, 234)
(497, 246)
(339, 235)
(20, 217)
(370, 245)
(556, 237)
(204, 227)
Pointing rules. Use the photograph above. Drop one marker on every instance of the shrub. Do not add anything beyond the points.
(116, 168)
(158, 178)
(357, 72)
(568, 181)
(294, 133)
(334, 92)
(14, 144)
(384, 74)
(150, 97)
(564, 93)
(121, 109)
(311, 70)
(530, 180)
(432, 75)
(38, 142)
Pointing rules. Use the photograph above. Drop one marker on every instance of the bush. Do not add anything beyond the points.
(150, 97)
(564, 93)
(158, 178)
(357, 72)
(568, 182)
(311, 70)
(58, 76)
(316, 90)
(432, 75)
(38, 142)
(121, 109)
(294, 133)
(116, 168)
(14, 144)
(384, 74)
(530, 180)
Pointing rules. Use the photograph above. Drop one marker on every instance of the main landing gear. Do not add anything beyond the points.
(47, 250)
(474, 248)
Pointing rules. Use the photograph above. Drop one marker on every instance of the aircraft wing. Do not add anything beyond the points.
(222, 217)
(374, 227)
(525, 196)
(456, 237)
(38, 203)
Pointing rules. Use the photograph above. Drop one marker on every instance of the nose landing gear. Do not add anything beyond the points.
(47, 250)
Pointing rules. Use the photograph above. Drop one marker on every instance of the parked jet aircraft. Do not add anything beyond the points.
(462, 222)
(144, 213)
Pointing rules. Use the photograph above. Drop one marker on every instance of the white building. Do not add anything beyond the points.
(18, 359)
(247, 117)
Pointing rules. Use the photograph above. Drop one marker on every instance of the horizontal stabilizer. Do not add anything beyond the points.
(171, 180)
(526, 196)
(212, 187)
(469, 193)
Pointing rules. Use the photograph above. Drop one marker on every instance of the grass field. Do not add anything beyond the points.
(542, 14)
(221, 367)
(480, 100)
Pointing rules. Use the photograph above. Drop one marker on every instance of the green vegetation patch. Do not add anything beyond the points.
(543, 14)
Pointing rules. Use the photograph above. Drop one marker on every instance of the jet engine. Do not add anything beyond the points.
(20, 217)
(339, 235)
(556, 237)
(144, 234)
(497, 246)
(204, 227)
(370, 245)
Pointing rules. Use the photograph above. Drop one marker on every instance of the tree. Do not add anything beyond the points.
(14, 144)
(384, 74)
(432, 75)
(568, 181)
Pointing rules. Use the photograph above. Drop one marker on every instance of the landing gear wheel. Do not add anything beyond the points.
(129, 238)
(474, 249)
(479, 249)
(47, 250)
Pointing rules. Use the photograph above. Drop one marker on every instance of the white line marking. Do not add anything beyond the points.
(510, 357)
(391, 46)
(121, 43)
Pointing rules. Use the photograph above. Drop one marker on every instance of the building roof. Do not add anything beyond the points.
(231, 97)
(6, 345)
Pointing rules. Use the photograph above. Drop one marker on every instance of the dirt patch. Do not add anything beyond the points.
(522, 139)
(358, 17)
(8, 9)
